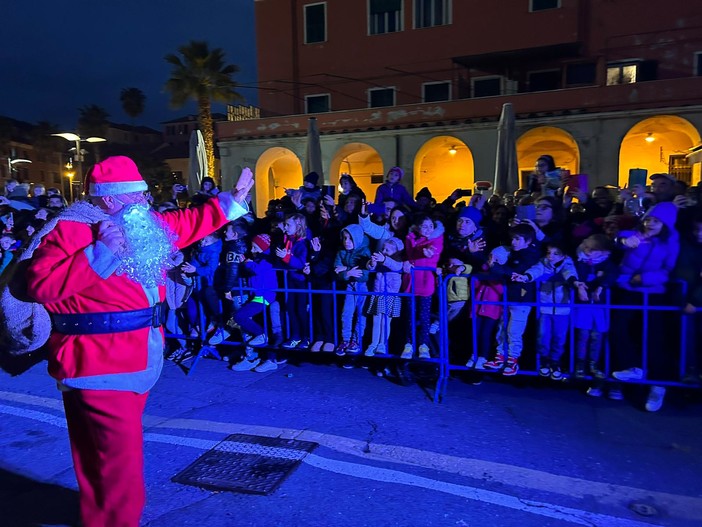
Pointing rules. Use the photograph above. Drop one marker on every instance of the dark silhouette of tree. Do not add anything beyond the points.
(200, 74)
(133, 100)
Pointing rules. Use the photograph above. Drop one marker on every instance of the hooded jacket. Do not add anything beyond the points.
(424, 281)
(654, 259)
(555, 284)
(356, 257)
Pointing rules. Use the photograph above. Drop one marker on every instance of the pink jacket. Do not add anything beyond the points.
(424, 281)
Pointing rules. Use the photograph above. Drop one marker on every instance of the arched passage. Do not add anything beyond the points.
(443, 164)
(277, 169)
(362, 162)
(658, 144)
(546, 140)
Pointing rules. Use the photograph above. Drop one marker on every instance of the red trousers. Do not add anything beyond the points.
(107, 442)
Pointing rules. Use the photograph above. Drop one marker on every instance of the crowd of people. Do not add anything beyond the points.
(565, 259)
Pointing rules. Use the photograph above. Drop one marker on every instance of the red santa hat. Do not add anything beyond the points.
(263, 241)
(115, 175)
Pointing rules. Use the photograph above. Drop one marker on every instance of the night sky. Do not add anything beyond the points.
(57, 56)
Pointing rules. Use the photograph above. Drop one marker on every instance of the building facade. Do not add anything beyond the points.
(602, 86)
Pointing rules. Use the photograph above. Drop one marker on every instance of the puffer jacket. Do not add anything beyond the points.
(424, 281)
(556, 281)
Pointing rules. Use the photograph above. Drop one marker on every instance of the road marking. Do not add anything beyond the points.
(679, 506)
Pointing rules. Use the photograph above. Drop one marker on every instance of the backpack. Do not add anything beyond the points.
(25, 325)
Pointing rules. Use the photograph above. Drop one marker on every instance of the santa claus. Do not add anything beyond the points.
(102, 281)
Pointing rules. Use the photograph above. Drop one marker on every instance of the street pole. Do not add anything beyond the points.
(78, 157)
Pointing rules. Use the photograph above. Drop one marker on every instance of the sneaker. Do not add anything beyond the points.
(423, 352)
(177, 355)
(246, 364)
(511, 367)
(615, 394)
(594, 391)
(496, 363)
(341, 348)
(556, 373)
(303, 344)
(317, 346)
(579, 369)
(381, 350)
(632, 374)
(353, 348)
(434, 328)
(545, 371)
(370, 350)
(219, 335)
(328, 347)
(655, 398)
(259, 340)
(291, 344)
(269, 365)
(480, 363)
(407, 352)
(594, 371)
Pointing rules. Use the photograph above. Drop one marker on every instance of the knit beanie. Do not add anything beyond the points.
(312, 177)
(263, 241)
(424, 193)
(472, 214)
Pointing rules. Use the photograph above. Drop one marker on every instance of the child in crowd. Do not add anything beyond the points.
(7, 243)
(227, 278)
(649, 256)
(384, 305)
(423, 247)
(203, 263)
(557, 273)
(262, 282)
(350, 268)
(487, 315)
(597, 272)
(392, 189)
(319, 272)
(292, 257)
(524, 254)
(179, 286)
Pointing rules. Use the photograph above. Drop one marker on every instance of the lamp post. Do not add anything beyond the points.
(11, 162)
(78, 156)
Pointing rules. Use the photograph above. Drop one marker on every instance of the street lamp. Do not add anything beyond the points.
(78, 157)
(11, 162)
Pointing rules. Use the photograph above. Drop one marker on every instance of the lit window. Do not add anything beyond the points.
(621, 74)
(542, 5)
(436, 91)
(379, 97)
(430, 13)
(384, 16)
(315, 23)
(317, 103)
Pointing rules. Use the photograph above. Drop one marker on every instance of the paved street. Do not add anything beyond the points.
(518, 452)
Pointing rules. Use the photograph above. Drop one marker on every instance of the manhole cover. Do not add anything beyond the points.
(644, 509)
(246, 463)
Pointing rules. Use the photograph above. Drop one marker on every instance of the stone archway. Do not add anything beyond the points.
(277, 169)
(546, 140)
(362, 162)
(658, 144)
(443, 164)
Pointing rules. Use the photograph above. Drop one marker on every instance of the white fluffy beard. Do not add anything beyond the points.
(148, 245)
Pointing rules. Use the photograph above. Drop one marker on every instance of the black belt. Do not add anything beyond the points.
(112, 322)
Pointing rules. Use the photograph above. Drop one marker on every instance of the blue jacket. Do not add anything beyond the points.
(262, 277)
(356, 257)
(206, 260)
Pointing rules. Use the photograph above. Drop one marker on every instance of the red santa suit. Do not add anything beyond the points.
(105, 373)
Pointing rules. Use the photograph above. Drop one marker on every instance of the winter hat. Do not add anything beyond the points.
(263, 241)
(397, 242)
(312, 177)
(500, 254)
(398, 170)
(115, 175)
(665, 211)
(472, 214)
(423, 193)
(663, 175)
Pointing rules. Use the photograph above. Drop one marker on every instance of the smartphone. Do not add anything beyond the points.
(329, 190)
(526, 212)
(464, 192)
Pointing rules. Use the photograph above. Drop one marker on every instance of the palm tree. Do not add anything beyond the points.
(201, 75)
(132, 100)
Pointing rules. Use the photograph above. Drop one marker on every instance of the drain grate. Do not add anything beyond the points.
(246, 463)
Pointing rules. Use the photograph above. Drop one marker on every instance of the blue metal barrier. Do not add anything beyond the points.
(443, 362)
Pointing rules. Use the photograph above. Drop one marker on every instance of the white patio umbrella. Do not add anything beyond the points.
(313, 153)
(506, 170)
(197, 162)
